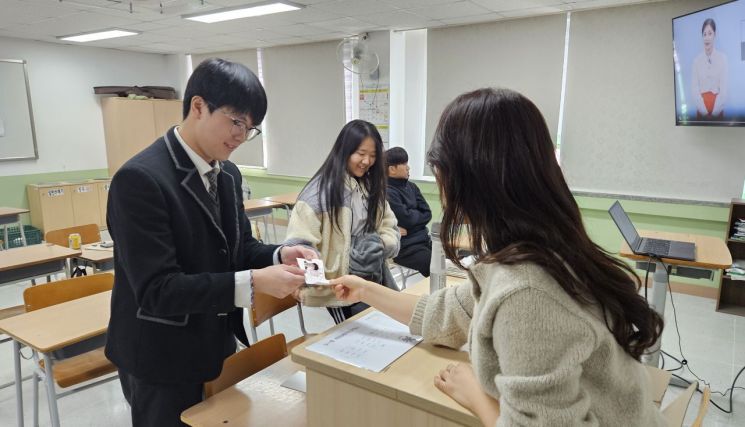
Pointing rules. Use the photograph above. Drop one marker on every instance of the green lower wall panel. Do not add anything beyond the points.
(673, 217)
(13, 188)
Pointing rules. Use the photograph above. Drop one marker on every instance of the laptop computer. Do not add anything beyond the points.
(646, 246)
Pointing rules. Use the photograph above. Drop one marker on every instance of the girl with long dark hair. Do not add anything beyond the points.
(554, 325)
(342, 212)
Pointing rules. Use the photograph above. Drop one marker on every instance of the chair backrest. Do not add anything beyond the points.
(658, 381)
(266, 306)
(57, 292)
(89, 233)
(247, 362)
(702, 408)
(675, 411)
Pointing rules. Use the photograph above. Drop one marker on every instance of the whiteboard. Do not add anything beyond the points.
(17, 134)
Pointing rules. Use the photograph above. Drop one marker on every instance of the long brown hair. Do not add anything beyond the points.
(497, 171)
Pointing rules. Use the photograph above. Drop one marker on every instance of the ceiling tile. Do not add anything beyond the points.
(346, 25)
(450, 10)
(398, 19)
(299, 30)
(502, 5)
(355, 7)
(476, 19)
(535, 11)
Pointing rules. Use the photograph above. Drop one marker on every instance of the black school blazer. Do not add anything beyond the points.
(173, 317)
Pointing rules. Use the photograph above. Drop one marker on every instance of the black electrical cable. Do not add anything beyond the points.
(684, 362)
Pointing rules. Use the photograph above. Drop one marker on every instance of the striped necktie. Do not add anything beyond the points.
(212, 179)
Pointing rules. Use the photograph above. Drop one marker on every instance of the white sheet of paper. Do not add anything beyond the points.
(371, 342)
(295, 381)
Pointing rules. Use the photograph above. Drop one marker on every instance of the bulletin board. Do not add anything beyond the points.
(375, 106)
(17, 134)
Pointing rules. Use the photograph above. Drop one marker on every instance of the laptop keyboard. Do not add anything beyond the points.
(656, 246)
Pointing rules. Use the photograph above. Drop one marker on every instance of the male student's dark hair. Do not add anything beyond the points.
(396, 156)
(230, 84)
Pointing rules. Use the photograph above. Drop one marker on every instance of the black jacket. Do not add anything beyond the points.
(412, 212)
(173, 315)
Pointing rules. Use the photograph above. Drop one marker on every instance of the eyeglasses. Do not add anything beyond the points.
(239, 126)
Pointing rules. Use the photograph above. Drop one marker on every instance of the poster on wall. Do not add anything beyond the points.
(375, 106)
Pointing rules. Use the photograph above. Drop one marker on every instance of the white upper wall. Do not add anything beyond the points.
(67, 114)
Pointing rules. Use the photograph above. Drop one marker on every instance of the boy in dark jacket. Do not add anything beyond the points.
(412, 212)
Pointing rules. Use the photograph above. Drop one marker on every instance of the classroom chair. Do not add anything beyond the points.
(89, 233)
(69, 368)
(265, 307)
(674, 413)
(247, 362)
(403, 272)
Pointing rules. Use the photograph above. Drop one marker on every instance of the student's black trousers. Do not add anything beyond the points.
(158, 404)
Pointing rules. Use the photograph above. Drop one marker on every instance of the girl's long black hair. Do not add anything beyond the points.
(333, 172)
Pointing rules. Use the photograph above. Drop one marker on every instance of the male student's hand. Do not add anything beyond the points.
(278, 280)
(402, 231)
(290, 254)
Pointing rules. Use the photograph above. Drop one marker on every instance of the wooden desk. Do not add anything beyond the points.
(99, 259)
(259, 400)
(287, 199)
(11, 216)
(52, 328)
(711, 254)
(32, 261)
(403, 394)
(262, 208)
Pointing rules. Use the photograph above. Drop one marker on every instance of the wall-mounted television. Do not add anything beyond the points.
(709, 61)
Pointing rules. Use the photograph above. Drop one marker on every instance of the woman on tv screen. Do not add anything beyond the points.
(710, 79)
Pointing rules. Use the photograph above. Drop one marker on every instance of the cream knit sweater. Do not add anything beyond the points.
(549, 360)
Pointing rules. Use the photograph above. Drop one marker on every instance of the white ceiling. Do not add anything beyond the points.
(164, 31)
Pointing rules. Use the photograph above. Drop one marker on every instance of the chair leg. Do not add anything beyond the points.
(51, 393)
(35, 397)
(271, 326)
(302, 320)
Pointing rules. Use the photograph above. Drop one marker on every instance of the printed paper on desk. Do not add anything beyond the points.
(371, 342)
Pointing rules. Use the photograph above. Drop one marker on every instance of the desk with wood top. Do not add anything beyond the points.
(402, 395)
(259, 400)
(51, 328)
(286, 199)
(262, 208)
(711, 254)
(32, 261)
(12, 216)
(100, 259)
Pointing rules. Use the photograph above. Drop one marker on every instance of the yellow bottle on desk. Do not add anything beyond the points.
(73, 241)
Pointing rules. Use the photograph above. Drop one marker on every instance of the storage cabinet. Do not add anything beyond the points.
(66, 204)
(85, 205)
(130, 125)
(50, 205)
(731, 298)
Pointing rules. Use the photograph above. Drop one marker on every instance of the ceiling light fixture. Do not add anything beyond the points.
(246, 11)
(98, 35)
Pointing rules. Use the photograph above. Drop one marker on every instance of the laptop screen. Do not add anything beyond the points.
(624, 224)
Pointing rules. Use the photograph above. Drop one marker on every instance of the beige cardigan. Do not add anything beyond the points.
(311, 225)
(549, 360)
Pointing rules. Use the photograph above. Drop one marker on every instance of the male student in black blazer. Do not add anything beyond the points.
(412, 213)
(184, 256)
